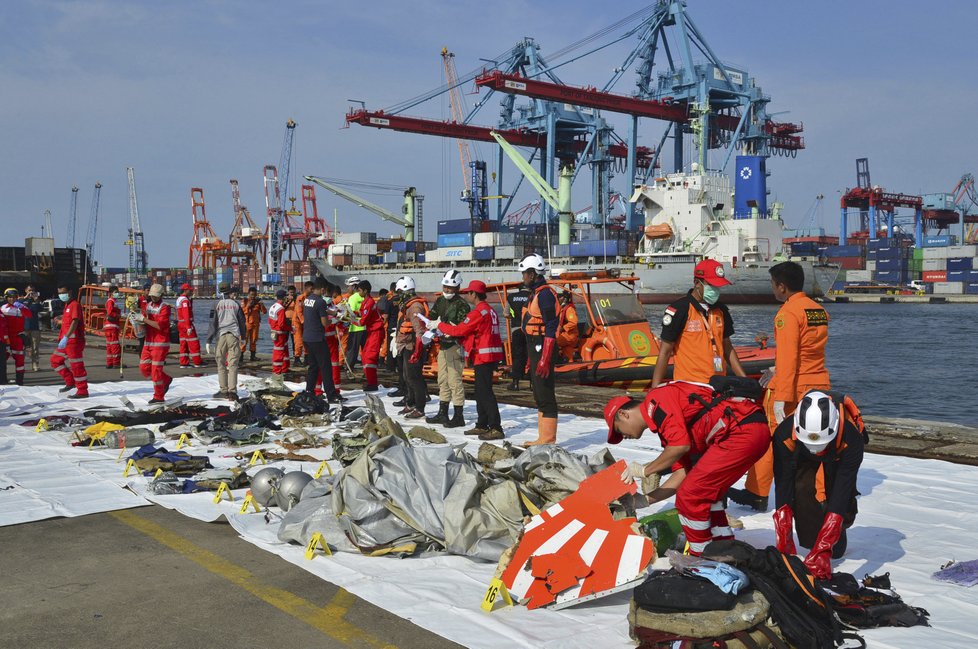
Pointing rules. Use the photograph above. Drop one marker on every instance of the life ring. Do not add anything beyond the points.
(595, 343)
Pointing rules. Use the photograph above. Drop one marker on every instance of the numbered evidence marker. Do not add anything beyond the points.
(223, 490)
(249, 501)
(183, 441)
(256, 457)
(323, 465)
(496, 588)
(317, 541)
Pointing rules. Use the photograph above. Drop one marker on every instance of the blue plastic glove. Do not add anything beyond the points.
(19, 305)
(63, 342)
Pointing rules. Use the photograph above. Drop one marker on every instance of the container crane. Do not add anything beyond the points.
(274, 228)
(411, 220)
(93, 224)
(138, 261)
(46, 229)
(205, 246)
(318, 235)
(72, 217)
(458, 114)
(246, 236)
(960, 205)
(285, 161)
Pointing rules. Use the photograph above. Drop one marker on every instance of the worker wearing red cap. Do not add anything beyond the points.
(280, 325)
(696, 331)
(156, 318)
(480, 333)
(15, 313)
(113, 315)
(69, 359)
(373, 328)
(189, 344)
(708, 440)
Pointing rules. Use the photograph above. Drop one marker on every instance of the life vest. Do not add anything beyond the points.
(406, 325)
(701, 341)
(278, 320)
(533, 324)
(112, 314)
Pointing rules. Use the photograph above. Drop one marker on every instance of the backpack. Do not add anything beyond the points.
(865, 606)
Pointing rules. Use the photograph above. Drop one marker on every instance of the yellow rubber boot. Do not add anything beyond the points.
(546, 430)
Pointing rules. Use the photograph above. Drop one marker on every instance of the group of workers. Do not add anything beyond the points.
(806, 439)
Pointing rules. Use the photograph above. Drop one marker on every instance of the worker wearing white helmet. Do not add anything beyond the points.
(540, 322)
(411, 351)
(825, 432)
(451, 309)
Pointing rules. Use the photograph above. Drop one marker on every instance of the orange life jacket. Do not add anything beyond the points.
(533, 324)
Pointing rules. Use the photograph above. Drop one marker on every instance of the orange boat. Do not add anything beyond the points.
(92, 299)
(617, 346)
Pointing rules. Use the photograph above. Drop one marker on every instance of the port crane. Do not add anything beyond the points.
(93, 224)
(206, 248)
(960, 205)
(246, 238)
(411, 217)
(716, 104)
(138, 260)
(72, 217)
(318, 235)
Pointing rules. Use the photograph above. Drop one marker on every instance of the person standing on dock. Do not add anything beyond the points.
(450, 308)
(289, 304)
(411, 349)
(4, 340)
(253, 311)
(389, 309)
(517, 302)
(824, 435)
(316, 320)
(15, 313)
(333, 329)
(279, 325)
(696, 331)
(568, 334)
(354, 340)
(297, 323)
(153, 358)
(687, 416)
(69, 359)
(373, 325)
(32, 325)
(540, 326)
(113, 317)
(480, 330)
(801, 331)
(227, 331)
(189, 343)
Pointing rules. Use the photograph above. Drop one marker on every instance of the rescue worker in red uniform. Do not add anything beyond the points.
(189, 343)
(825, 433)
(710, 441)
(374, 328)
(480, 333)
(278, 322)
(540, 327)
(14, 313)
(801, 332)
(4, 340)
(696, 330)
(157, 346)
(253, 311)
(333, 329)
(113, 317)
(71, 347)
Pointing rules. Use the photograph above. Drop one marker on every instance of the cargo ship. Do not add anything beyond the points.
(39, 264)
(688, 217)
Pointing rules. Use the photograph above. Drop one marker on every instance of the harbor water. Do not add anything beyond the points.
(896, 360)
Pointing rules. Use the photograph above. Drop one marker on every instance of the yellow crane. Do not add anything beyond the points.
(458, 114)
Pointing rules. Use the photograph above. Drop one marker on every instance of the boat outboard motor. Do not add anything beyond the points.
(290, 488)
(265, 484)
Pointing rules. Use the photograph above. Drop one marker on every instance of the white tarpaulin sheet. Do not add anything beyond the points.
(914, 516)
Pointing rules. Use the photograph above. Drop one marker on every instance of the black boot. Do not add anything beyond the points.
(514, 385)
(253, 356)
(748, 499)
(456, 421)
(441, 417)
(19, 378)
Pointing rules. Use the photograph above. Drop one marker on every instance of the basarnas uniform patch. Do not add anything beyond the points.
(817, 317)
(779, 323)
(667, 318)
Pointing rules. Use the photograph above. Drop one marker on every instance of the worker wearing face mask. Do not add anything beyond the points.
(113, 315)
(696, 331)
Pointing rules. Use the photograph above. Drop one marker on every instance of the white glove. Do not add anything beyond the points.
(207, 348)
(138, 318)
(432, 325)
(766, 377)
(650, 483)
(635, 471)
(779, 412)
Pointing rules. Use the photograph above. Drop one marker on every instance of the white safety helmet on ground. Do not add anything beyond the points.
(452, 278)
(816, 421)
(406, 283)
(352, 281)
(534, 262)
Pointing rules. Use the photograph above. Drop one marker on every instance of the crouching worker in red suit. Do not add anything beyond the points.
(826, 431)
(157, 346)
(709, 441)
(374, 335)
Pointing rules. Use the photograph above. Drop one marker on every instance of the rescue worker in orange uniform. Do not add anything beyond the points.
(370, 319)
(540, 326)
(189, 343)
(825, 434)
(113, 317)
(253, 311)
(297, 320)
(71, 347)
(280, 327)
(15, 314)
(696, 331)
(801, 331)
(411, 349)
(157, 321)
(708, 442)
(568, 334)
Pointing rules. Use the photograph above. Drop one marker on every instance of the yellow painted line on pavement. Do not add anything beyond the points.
(328, 619)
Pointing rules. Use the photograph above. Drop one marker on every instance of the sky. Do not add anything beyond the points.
(192, 94)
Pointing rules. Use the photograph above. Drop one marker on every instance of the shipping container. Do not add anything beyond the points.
(958, 275)
(509, 252)
(609, 248)
(356, 237)
(936, 253)
(421, 257)
(483, 239)
(890, 264)
(455, 226)
(844, 251)
(484, 253)
(859, 276)
(847, 263)
(403, 246)
(934, 276)
(458, 253)
(949, 288)
(394, 257)
(962, 251)
(870, 265)
(455, 240)
(936, 241)
(933, 264)
(971, 288)
(891, 276)
(959, 263)
(340, 249)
